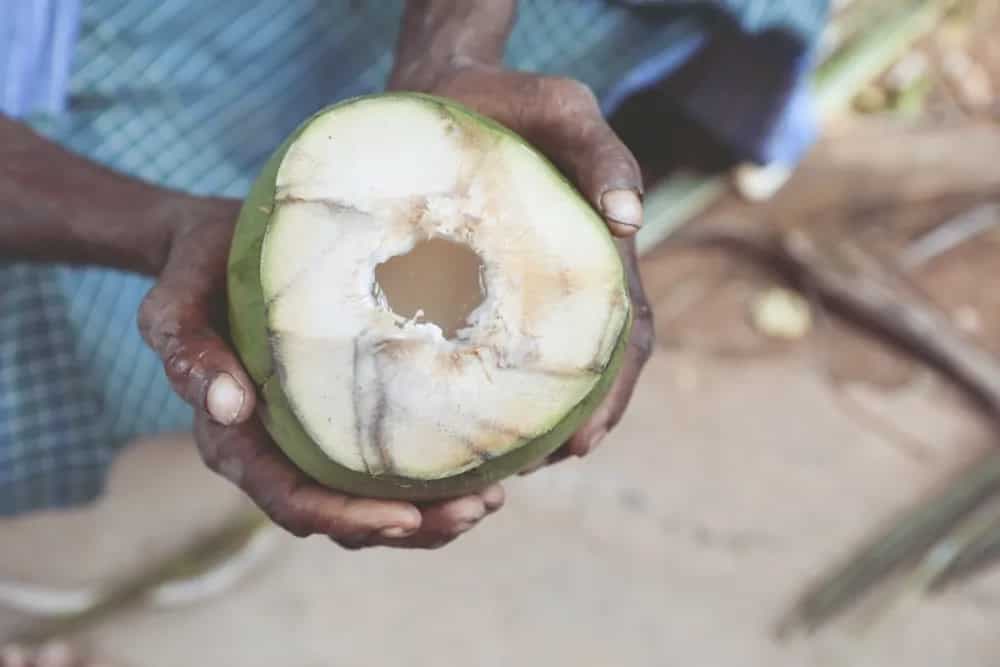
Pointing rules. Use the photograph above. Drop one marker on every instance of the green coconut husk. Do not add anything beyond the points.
(249, 328)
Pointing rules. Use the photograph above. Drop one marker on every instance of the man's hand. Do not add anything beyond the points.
(454, 48)
(184, 319)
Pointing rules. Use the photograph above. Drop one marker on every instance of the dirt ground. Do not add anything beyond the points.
(743, 468)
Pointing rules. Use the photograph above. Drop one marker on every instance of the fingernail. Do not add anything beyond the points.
(396, 532)
(594, 441)
(225, 399)
(622, 207)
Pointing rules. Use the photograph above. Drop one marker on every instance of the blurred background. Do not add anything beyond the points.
(785, 417)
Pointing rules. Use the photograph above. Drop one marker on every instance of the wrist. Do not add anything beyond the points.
(168, 215)
(438, 37)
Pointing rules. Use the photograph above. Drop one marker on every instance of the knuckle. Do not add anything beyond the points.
(530, 87)
(187, 364)
(187, 374)
(159, 323)
(560, 98)
(178, 364)
(573, 94)
(643, 313)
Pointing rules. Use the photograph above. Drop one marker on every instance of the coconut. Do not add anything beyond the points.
(424, 302)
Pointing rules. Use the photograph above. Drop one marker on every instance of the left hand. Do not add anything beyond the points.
(562, 118)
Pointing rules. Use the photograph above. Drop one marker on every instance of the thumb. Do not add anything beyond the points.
(181, 319)
(563, 119)
(568, 125)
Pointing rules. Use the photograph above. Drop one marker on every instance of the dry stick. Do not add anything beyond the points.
(966, 553)
(936, 560)
(953, 233)
(907, 443)
(973, 559)
(864, 297)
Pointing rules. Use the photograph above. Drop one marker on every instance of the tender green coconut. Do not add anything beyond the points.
(426, 304)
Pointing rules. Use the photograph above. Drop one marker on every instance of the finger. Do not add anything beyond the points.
(613, 408)
(246, 456)
(563, 118)
(566, 122)
(423, 540)
(454, 517)
(181, 318)
(637, 353)
(446, 521)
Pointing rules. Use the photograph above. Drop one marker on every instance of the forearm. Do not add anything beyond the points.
(439, 34)
(56, 206)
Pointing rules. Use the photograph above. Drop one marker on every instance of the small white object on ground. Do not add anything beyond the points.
(781, 313)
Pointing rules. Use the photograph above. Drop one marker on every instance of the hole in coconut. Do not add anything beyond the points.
(438, 278)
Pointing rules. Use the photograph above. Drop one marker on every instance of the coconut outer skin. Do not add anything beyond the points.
(249, 332)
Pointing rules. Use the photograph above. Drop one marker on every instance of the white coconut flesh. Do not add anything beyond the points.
(436, 294)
